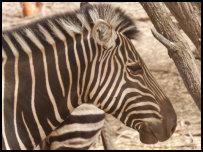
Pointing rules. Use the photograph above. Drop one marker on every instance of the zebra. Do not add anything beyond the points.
(80, 131)
(53, 65)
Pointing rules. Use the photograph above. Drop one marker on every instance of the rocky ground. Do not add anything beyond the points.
(188, 132)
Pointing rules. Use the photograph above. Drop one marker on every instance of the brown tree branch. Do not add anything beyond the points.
(188, 16)
(178, 49)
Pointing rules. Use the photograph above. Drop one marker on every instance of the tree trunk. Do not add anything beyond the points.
(188, 15)
(178, 48)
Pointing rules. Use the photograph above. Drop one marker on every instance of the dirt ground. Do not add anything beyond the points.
(188, 132)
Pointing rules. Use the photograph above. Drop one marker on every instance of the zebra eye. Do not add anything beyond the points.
(134, 68)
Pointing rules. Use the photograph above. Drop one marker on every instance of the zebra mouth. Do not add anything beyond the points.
(147, 135)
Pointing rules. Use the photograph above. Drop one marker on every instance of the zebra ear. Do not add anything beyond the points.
(104, 34)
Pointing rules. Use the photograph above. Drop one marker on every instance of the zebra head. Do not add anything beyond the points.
(124, 86)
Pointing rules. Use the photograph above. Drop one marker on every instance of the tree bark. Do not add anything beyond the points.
(178, 49)
(188, 15)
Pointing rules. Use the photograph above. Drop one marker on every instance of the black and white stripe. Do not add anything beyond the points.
(52, 66)
(79, 131)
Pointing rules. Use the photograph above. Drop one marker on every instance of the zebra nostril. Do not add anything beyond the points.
(173, 124)
(173, 129)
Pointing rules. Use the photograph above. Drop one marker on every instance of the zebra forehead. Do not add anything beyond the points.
(86, 17)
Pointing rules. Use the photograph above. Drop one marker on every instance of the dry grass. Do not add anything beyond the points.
(188, 132)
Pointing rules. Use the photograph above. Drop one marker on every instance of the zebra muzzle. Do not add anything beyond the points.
(146, 134)
(152, 132)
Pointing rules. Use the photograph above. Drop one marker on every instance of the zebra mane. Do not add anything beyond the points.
(84, 19)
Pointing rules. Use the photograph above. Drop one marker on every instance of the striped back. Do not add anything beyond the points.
(79, 131)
